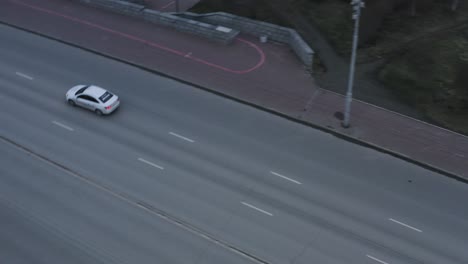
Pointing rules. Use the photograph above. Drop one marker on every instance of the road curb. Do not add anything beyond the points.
(263, 108)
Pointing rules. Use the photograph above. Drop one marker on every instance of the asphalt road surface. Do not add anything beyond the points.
(179, 175)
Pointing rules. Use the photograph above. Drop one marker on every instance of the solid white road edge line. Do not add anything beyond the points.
(24, 75)
(284, 177)
(150, 163)
(256, 208)
(62, 125)
(405, 225)
(376, 259)
(181, 137)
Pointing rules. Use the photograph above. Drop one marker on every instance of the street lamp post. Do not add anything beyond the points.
(177, 6)
(357, 5)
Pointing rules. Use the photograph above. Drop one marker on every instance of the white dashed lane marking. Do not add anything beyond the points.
(24, 75)
(62, 125)
(376, 259)
(256, 208)
(151, 163)
(181, 137)
(405, 225)
(284, 177)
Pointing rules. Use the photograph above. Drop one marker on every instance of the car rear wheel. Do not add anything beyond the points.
(71, 102)
(98, 112)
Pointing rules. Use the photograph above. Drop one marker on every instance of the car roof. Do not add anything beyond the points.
(94, 91)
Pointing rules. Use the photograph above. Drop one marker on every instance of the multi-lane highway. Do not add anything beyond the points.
(179, 175)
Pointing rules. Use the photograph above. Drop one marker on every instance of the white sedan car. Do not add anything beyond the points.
(93, 98)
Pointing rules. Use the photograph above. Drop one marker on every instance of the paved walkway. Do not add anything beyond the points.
(266, 75)
(170, 5)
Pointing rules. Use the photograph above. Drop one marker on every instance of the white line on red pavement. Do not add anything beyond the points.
(167, 5)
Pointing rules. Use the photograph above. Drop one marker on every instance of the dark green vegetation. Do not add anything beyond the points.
(423, 45)
(255, 9)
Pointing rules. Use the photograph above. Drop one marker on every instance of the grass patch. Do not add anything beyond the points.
(333, 19)
(399, 28)
(431, 76)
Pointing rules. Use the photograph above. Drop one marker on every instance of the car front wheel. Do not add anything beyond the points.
(71, 102)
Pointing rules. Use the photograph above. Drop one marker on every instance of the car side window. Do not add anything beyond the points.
(80, 91)
(93, 100)
(84, 97)
(88, 98)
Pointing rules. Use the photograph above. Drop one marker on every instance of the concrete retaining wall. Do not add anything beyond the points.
(219, 26)
(220, 34)
(122, 7)
(199, 28)
(258, 28)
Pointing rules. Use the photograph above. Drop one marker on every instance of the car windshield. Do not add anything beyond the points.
(105, 97)
(81, 90)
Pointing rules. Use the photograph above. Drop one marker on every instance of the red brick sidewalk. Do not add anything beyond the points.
(266, 75)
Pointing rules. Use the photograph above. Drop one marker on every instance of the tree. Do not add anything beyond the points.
(460, 97)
